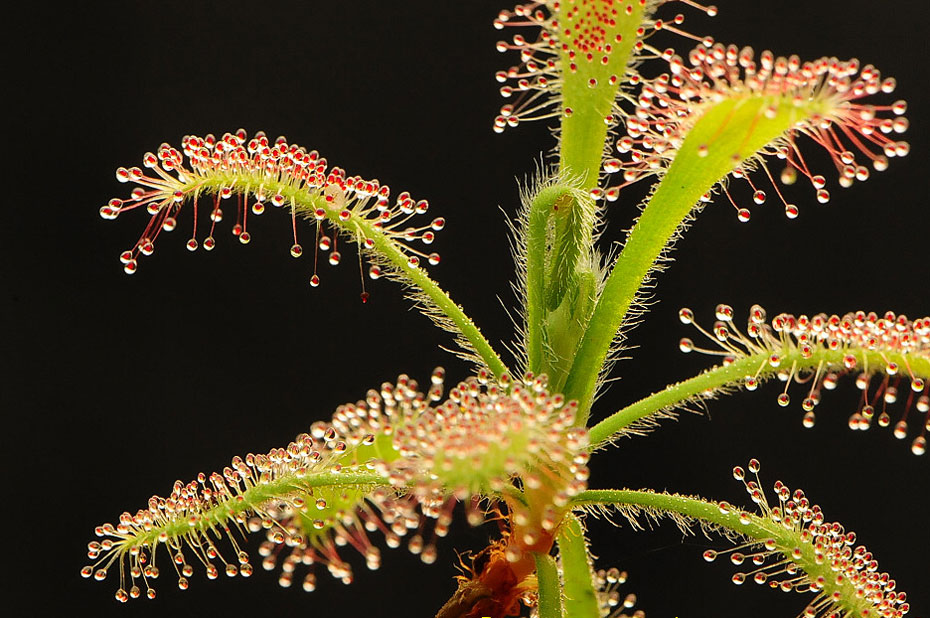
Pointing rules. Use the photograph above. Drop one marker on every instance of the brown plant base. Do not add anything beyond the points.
(494, 587)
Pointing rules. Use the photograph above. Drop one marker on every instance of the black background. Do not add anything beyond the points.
(116, 386)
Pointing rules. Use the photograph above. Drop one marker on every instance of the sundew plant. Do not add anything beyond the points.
(645, 113)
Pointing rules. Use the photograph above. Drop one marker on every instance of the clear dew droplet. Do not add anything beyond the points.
(919, 445)
(900, 430)
(686, 315)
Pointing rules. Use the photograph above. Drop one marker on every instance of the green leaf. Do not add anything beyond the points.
(727, 132)
(788, 546)
(816, 347)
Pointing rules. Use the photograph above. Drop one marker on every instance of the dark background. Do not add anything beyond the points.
(116, 386)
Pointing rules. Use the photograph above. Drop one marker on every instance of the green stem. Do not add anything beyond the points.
(550, 593)
(757, 365)
(580, 597)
